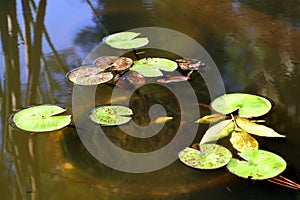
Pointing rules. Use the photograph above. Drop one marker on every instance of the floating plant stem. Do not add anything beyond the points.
(282, 181)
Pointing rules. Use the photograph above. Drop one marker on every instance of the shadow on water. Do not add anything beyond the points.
(256, 50)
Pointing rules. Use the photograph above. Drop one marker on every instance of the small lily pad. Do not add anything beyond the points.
(151, 67)
(258, 165)
(41, 118)
(89, 76)
(111, 115)
(126, 40)
(211, 156)
(247, 105)
(114, 62)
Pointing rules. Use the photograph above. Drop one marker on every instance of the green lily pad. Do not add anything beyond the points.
(89, 76)
(126, 40)
(258, 165)
(247, 104)
(151, 67)
(211, 156)
(111, 115)
(41, 118)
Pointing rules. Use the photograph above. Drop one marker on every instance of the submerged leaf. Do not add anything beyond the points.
(258, 165)
(214, 156)
(256, 129)
(211, 118)
(151, 67)
(41, 118)
(89, 76)
(126, 40)
(111, 115)
(247, 105)
(242, 141)
(218, 131)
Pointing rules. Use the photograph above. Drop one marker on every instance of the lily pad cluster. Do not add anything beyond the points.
(234, 119)
(127, 73)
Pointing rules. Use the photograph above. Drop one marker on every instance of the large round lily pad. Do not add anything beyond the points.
(89, 76)
(258, 165)
(111, 115)
(126, 40)
(247, 105)
(151, 67)
(211, 156)
(41, 118)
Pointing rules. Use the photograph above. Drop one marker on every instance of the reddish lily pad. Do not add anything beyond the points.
(113, 62)
(89, 76)
(190, 64)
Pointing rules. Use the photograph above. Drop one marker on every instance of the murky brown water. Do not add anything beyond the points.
(255, 46)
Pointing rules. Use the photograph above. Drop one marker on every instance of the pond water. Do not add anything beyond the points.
(254, 44)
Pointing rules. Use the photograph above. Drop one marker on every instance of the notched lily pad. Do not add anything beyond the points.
(247, 105)
(126, 40)
(151, 67)
(211, 156)
(111, 115)
(41, 118)
(114, 62)
(89, 76)
(258, 165)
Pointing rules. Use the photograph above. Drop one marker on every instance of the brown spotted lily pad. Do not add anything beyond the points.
(211, 156)
(111, 115)
(190, 64)
(114, 62)
(89, 76)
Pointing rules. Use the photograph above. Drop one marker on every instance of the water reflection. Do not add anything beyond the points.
(255, 44)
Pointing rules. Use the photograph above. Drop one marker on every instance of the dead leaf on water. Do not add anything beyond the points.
(256, 129)
(218, 131)
(211, 118)
(242, 141)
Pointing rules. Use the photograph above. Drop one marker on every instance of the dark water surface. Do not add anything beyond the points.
(254, 44)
